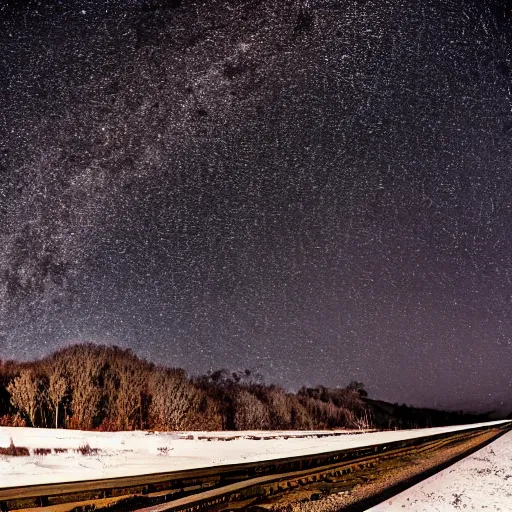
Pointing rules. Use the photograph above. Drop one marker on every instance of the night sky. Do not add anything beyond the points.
(320, 190)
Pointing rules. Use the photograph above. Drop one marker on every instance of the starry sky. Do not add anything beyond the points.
(317, 189)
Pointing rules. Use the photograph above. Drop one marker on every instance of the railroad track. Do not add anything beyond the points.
(238, 486)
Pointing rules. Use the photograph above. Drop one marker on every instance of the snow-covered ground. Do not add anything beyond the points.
(482, 481)
(135, 453)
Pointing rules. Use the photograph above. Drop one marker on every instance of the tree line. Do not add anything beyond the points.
(89, 386)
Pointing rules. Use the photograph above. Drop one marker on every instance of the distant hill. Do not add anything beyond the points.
(387, 415)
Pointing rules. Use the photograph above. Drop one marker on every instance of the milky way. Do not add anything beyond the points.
(320, 190)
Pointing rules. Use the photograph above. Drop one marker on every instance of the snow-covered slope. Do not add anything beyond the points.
(133, 453)
(482, 481)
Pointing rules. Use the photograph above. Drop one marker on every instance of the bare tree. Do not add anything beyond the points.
(57, 388)
(83, 374)
(24, 393)
(357, 386)
(174, 399)
(300, 419)
(132, 384)
(279, 408)
(250, 412)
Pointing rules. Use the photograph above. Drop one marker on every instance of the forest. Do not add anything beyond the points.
(107, 388)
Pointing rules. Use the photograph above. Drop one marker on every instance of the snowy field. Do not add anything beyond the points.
(136, 453)
(482, 481)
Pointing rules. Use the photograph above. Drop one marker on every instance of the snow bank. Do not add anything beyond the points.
(135, 453)
(482, 481)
